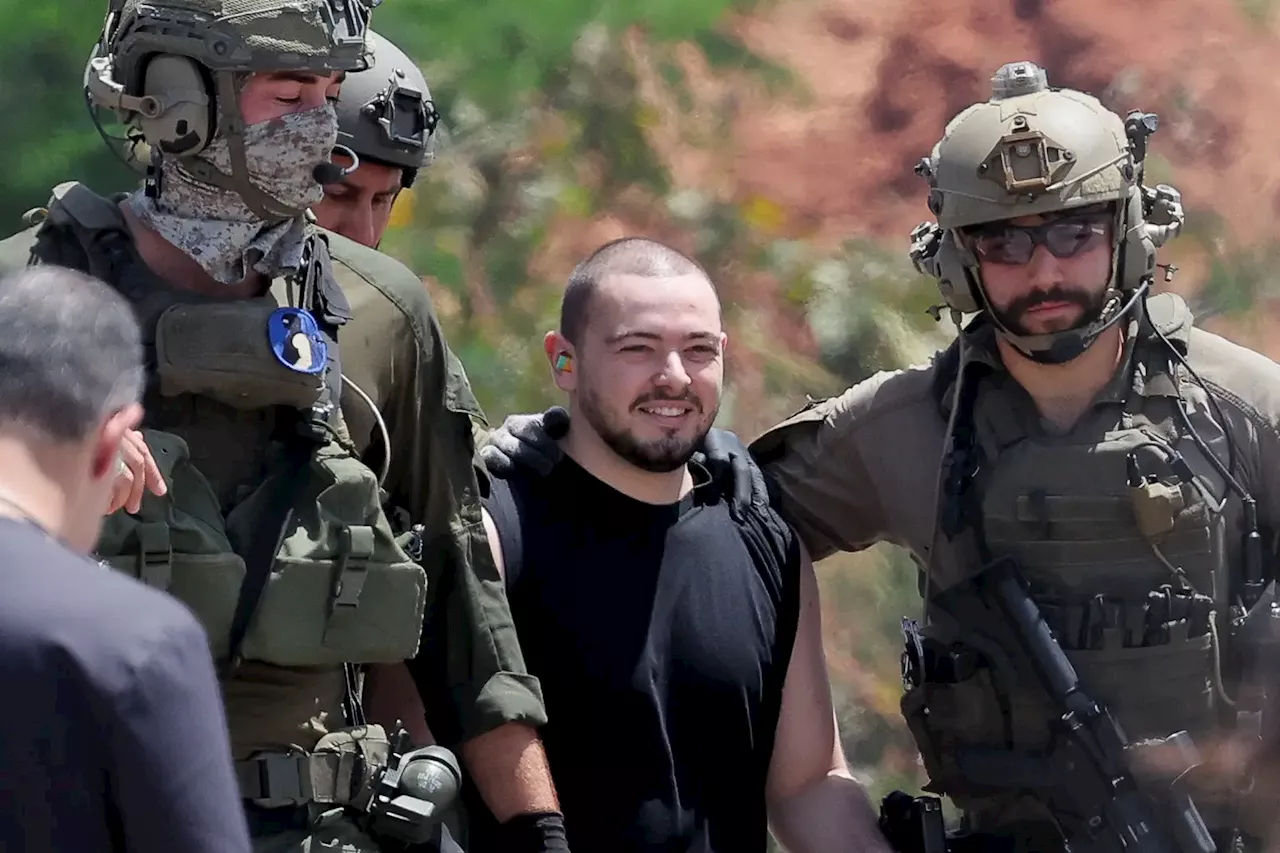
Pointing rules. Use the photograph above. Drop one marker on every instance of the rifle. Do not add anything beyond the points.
(1088, 788)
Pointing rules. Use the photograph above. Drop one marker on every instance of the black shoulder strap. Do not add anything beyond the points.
(505, 511)
(946, 369)
(81, 230)
(259, 553)
(782, 548)
(961, 511)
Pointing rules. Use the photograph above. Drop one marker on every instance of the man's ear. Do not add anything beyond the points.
(107, 447)
(561, 355)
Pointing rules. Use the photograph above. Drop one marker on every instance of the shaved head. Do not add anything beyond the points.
(634, 256)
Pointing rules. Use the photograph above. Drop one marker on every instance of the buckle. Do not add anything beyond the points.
(275, 780)
(155, 555)
(356, 546)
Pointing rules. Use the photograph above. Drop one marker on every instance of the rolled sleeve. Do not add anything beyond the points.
(471, 671)
(823, 485)
(498, 688)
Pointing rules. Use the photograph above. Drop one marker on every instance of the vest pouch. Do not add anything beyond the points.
(1067, 514)
(1151, 691)
(353, 758)
(948, 720)
(342, 590)
(1077, 545)
(340, 771)
(222, 351)
(942, 717)
(177, 542)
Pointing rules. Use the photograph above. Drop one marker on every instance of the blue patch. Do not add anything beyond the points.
(296, 340)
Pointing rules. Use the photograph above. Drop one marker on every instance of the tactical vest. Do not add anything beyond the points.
(1119, 528)
(272, 531)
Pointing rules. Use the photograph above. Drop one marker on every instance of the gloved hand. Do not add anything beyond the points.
(526, 441)
(730, 463)
(541, 832)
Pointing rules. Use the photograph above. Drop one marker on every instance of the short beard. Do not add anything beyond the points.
(657, 457)
(1092, 304)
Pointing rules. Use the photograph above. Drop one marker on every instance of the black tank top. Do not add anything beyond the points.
(661, 636)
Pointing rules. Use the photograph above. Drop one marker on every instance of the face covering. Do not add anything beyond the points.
(215, 227)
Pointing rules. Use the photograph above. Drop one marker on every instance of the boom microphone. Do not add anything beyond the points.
(332, 173)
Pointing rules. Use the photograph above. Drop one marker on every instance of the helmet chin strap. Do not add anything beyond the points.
(262, 204)
(1061, 347)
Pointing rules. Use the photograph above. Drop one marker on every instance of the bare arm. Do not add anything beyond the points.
(508, 764)
(815, 804)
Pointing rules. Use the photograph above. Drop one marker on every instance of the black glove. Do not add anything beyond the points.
(542, 832)
(526, 441)
(730, 463)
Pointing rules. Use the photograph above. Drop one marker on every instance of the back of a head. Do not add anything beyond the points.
(637, 256)
(70, 352)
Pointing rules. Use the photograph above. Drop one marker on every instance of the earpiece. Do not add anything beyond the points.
(564, 363)
(936, 253)
(184, 123)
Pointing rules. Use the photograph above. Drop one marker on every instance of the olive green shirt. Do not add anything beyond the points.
(863, 467)
(469, 669)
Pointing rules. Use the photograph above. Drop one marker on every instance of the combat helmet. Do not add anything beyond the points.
(1031, 149)
(175, 68)
(385, 113)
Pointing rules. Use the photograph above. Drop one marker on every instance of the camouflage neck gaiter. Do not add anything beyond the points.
(215, 227)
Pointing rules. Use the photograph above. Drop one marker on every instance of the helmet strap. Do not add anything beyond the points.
(1062, 347)
(239, 182)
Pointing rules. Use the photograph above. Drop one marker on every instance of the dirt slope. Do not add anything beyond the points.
(885, 75)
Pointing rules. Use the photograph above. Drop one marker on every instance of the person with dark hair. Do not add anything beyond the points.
(637, 256)
(116, 739)
(679, 648)
(387, 120)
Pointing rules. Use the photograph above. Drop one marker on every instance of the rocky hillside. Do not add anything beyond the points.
(884, 76)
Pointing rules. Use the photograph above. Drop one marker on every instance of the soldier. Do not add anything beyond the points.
(386, 117)
(1127, 462)
(322, 510)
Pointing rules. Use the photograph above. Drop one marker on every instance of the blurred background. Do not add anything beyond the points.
(776, 141)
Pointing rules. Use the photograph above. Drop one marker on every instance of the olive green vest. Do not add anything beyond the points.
(222, 420)
(1119, 528)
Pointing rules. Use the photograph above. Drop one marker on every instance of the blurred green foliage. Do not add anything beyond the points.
(46, 135)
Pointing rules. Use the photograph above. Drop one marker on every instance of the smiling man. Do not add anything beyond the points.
(679, 648)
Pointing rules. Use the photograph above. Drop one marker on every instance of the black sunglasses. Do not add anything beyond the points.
(1064, 238)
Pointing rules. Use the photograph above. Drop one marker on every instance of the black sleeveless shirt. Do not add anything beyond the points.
(661, 636)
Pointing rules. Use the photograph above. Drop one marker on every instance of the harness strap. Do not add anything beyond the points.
(504, 509)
